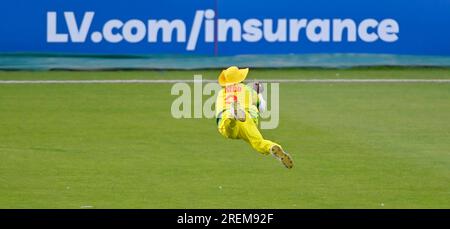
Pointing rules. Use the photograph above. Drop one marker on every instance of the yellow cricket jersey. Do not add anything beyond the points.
(246, 96)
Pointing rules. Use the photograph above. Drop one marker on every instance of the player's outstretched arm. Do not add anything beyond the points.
(259, 88)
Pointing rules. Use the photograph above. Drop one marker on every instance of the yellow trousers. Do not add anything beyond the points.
(247, 131)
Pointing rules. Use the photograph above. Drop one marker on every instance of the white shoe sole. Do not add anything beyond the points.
(282, 156)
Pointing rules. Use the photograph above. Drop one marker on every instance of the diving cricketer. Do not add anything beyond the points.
(237, 113)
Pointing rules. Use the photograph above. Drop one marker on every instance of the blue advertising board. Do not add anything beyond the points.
(225, 27)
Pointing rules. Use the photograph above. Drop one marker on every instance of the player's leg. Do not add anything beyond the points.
(249, 132)
(227, 125)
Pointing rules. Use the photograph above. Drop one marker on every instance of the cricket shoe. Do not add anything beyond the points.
(282, 156)
(237, 112)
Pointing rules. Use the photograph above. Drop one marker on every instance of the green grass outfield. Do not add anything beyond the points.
(360, 145)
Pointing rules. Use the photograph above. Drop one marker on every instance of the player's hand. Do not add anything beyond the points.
(258, 87)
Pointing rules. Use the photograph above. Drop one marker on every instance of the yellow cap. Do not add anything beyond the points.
(232, 75)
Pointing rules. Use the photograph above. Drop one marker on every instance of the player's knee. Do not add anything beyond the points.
(257, 143)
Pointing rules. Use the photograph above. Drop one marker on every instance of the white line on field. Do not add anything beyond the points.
(160, 81)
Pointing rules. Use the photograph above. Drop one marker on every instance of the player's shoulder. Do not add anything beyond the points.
(244, 85)
(248, 87)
